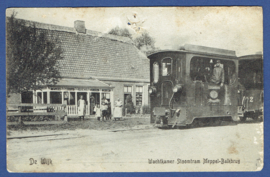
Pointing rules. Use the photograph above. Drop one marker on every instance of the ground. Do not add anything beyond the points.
(131, 144)
(76, 124)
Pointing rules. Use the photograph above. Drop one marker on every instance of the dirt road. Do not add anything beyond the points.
(239, 147)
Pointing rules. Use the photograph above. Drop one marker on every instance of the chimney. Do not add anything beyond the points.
(80, 26)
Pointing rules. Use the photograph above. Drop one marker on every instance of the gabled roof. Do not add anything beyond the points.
(90, 56)
(97, 55)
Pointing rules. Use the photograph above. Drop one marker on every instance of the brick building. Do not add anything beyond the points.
(94, 65)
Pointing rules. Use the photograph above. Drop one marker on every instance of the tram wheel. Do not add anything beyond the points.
(194, 124)
(242, 119)
(217, 122)
(189, 126)
(201, 123)
(260, 118)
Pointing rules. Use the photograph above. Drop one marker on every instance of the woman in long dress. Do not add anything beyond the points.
(118, 109)
(81, 107)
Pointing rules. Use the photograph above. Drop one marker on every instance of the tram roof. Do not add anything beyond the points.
(189, 48)
(251, 57)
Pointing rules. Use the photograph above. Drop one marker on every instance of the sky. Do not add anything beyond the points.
(233, 28)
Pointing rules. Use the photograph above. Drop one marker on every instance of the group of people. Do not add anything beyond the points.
(102, 112)
(217, 76)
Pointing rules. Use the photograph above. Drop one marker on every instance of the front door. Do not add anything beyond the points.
(94, 100)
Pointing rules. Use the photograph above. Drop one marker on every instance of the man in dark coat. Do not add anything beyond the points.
(104, 108)
(92, 104)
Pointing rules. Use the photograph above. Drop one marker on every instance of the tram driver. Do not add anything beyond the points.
(218, 74)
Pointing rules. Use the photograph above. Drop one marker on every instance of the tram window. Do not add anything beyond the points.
(167, 66)
(251, 74)
(155, 72)
(205, 70)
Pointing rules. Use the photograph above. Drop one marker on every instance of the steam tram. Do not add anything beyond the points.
(184, 92)
(251, 86)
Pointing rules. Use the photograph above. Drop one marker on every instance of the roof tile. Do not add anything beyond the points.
(96, 54)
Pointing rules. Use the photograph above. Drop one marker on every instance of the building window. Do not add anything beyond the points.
(96, 90)
(39, 97)
(127, 93)
(106, 90)
(128, 89)
(45, 97)
(56, 97)
(71, 98)
(106, 96)
(27, 97)
(139, 92)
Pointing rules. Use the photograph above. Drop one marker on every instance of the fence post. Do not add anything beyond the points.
(20, 117)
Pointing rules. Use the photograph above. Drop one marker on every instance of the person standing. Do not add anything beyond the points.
(218, 74)
(109, 113)
(103, 109)
(81, 107)
(118, 109)
(92, 104)
(97, 112)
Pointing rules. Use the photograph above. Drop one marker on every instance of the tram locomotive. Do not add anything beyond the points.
(193, 85)
(251, 82)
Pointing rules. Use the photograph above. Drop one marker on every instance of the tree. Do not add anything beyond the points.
(32, 56)
(120, 32)
(145, 42)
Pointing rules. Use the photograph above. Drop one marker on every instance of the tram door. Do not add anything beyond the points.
(166, 93)
(94, 100)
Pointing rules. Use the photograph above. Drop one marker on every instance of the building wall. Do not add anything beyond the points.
(14, 98)
(118, 91)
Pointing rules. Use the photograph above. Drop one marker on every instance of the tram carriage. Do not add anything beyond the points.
(181, 89)
(251, 81)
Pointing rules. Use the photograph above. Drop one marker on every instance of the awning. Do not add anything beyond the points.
(91, 83)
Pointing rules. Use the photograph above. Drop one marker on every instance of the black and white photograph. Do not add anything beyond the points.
(134, 89)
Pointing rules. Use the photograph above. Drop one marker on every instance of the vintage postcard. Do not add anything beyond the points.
(134, 89)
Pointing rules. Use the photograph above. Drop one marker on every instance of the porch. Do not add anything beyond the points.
(68, 92)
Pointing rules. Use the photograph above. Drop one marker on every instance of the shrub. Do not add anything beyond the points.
(146, 109)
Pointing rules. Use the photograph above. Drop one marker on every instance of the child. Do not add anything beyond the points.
(97, 112)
